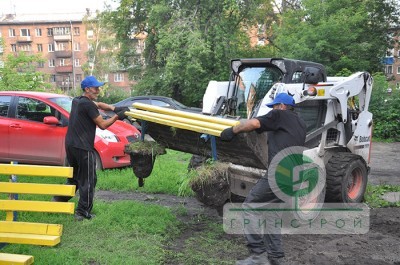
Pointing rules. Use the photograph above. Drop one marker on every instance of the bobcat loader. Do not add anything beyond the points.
(335, 109)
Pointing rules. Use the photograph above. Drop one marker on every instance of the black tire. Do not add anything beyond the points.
(346, 178)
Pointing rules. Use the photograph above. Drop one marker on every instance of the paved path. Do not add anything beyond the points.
(385, 163)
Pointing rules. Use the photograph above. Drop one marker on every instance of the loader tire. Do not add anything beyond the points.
(346, 178)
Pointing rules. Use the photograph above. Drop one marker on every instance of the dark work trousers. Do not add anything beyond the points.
(270, 240)
(84, 177)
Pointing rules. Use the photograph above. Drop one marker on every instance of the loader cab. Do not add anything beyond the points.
(253, 78)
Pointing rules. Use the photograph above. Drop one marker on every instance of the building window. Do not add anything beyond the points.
(62, 46)
(90, 34)
(77, 63)
(52, 78)
(118, 77)
(25, 32)
(14, 47)
(76, 31)
(389, 69)
(25, 47)
(40, 47)
(38, 32)
(11, 32)
(40, 64)
(49, 31)
(77, 46)
(51, 47)
(62, 31)
(62, 62)
(105, 77)
(51, 63)
(78, 78)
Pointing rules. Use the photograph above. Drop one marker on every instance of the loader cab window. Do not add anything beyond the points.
(253, 84)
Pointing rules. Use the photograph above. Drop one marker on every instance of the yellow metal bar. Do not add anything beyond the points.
(15, 259)
(209, 125)
(41, 240)
(31, 228)
(37, 206)
(33, 170)
(175, 124)
(34, 188)
(9, 216)
(185, 114)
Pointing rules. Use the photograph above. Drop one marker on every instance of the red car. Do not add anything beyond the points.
(33, 127)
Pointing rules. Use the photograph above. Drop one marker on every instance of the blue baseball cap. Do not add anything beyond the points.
(90, 81)
(282, 98)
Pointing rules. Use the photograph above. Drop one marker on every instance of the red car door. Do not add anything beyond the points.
(31, 140)
(4, 127)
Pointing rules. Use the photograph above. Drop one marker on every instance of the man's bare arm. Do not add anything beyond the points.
(104, 124)
(104, 106)
(247, 126)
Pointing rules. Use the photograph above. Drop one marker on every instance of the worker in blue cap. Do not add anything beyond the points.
(285, 129)
(79, 143)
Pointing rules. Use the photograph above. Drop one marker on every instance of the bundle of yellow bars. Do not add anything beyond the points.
(181, 119)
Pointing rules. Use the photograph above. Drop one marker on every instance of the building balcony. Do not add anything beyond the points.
(64, 85)
(62, 37)
(63, 54)
(64, 69)
(24, 39)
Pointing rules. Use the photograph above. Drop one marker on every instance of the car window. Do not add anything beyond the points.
(63, 102)
(144, 101)
(159, 103)
(33, 110)
(4, 105)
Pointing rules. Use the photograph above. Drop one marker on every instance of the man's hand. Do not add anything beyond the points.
(227, 134)
(121, 115)
(119, 109)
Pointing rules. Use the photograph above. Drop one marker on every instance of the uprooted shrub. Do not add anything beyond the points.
(210, 184)
(143, 155)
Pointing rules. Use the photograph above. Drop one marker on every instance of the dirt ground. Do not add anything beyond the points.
(381, 245)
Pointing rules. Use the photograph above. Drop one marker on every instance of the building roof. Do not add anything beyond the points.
(41, 18)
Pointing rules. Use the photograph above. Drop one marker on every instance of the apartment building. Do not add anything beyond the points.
(63, 42)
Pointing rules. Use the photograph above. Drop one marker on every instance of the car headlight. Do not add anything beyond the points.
(106, 135)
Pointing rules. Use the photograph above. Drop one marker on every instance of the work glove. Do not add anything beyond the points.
(119, 109)
(121, 115)
(227, 134)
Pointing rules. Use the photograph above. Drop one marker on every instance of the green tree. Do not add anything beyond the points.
(188, 43)
(18, 73)
(385, 108)
(350, 34)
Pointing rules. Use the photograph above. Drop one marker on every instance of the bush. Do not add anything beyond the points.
(385, 108)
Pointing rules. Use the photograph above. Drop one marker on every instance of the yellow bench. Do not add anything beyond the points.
(13, 231)
(14, 259)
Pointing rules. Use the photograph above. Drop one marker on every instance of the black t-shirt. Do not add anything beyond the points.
(81, 127)
(285, 129)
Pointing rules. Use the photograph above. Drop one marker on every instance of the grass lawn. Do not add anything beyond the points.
(131, 232)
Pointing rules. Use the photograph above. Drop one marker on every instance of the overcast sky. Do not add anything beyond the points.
(51, 6)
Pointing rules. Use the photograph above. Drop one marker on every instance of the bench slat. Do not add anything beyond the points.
(34, 188)
(17, 259)
(30, 239)
(34, 170)
(37, 206)
(31, 228)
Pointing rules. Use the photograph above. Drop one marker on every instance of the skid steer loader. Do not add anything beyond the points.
(335, 110)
